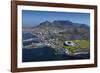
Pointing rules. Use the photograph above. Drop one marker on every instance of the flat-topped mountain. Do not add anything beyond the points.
(61, 24)
(56, 23)
(64, 28)
(57, 32)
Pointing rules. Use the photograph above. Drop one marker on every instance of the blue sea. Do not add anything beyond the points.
(45, 53)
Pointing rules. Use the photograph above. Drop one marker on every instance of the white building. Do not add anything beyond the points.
(69, 43)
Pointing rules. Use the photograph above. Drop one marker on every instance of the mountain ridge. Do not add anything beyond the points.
(61, 23)
(63, 28)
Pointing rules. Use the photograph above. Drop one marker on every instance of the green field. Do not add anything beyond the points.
(80, 44)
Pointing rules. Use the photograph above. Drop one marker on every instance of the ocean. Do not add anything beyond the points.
(46, 53)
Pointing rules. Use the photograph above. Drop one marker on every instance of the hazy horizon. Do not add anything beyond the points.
(33, 18)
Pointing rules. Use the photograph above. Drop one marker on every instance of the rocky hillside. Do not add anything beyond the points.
(64, 29)
(54, 34)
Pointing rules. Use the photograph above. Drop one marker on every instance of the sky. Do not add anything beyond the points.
(32, 18)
